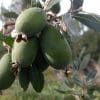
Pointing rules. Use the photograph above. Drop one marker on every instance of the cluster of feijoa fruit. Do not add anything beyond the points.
(37, 45)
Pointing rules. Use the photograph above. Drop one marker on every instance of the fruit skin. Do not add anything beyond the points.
(55, 48)
(24, 52)
(31, 21)
(7, 77)
(36, 79)
(24, 78)
(40, 61)
(56, 8)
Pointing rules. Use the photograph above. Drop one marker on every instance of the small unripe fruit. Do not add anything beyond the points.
(24, 78)
(7, 77)
(36, 79)
(24, 52)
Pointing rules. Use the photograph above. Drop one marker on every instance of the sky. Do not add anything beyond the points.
(6, 3)
(92, 6)
(88, 5)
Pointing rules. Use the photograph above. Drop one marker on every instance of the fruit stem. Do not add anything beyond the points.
(21, 37)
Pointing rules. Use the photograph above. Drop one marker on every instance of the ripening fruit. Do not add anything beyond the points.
(31, 21)
(36, 79)
(24, 78)
(55, 47)
(7, 77)
(56, 8)
(24, 52)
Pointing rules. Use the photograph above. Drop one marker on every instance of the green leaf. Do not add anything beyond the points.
(77, 78)
(50, 3)
(77, 81)
(85, 62)
(60, 91)
(7, 39)
(76, 65)
(69, 83)
(91, 74)
(93, 88)
(90, 20)
(72, 25)
(69, 91)
(82, 52)
(77, 4)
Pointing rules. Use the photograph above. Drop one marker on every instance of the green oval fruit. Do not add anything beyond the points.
(40, 61)
(6, 75)
(56, 8)
(31, 21)
(55, 47)
(36, 79)
(24, 78)
(24, 52)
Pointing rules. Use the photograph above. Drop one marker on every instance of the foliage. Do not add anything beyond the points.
(89, 19)
(84, 45)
